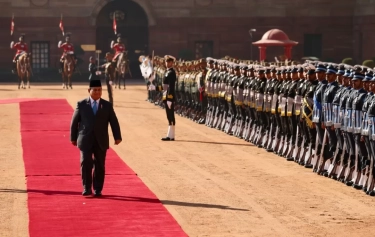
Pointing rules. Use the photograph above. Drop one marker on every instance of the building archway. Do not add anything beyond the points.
(132, 24)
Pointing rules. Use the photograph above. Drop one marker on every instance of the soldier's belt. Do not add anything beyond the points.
(282, 113)
(170, 96)
(297, 112)
(289, 113)
(239, 103)
(273, 111)
(164, 97)
(259, 109)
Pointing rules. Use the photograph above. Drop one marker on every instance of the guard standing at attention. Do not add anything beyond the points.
(169, 96)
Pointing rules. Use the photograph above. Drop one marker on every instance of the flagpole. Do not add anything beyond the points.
(12, 26)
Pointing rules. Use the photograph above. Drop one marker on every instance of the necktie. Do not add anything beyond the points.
(94, 107)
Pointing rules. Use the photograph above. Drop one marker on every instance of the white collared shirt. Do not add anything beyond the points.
(92, 102)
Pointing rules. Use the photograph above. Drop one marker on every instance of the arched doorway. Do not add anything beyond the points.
(132, 24)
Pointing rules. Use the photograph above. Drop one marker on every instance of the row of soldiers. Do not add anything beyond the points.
(320, 115)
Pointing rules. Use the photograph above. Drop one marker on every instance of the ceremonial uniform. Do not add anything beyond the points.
(317, 113)
(328, 117)
(21, 48)
(169, 97)
(307, 114)
(68, 48)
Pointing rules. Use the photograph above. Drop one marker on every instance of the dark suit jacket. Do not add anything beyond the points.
(86, 127)
(93, 69)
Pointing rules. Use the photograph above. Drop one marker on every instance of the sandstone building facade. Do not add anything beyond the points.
(327, 29)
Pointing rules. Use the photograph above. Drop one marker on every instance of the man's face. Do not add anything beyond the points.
(169, 64)
(67, 39)
(330, 77)
(95, 92)
(119, 40)
(321, 75)
(21, 39)
(357, 84)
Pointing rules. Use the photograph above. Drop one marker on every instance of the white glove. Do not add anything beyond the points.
(98, 72)
(110, 82)
(169, 103)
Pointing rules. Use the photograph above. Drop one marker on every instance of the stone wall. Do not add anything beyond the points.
(347, 25)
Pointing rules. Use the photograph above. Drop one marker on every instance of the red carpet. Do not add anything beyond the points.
(56, 207)
(18, 100)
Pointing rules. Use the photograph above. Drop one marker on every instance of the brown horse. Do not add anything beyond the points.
(23, 70)
(122, 69)
(67, 73)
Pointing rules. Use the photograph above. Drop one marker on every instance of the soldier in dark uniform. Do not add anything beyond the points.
(366, 162)
(337, 113)
(251, 103)
(317, 112)
(202, 106)
(299, 150)
(213, 93)
(371, 128)
(224, 78)
(291, 112)
(220, 94)
(283, 148)
(259, 105)
(327, 118)
(354, 174)
(275, 110)
(169, 97)
(208, 89)
(232, 97)
(307, 114)
(270, 90)
(241, 115)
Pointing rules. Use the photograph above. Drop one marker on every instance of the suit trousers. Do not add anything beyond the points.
(93, 158)
(170, 113)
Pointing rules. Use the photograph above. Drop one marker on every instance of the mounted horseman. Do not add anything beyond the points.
(68, 49)
(21, 48)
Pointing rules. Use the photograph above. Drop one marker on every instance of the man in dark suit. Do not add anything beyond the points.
(89, 131)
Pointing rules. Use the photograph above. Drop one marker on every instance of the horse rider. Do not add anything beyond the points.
(21, 48)
(119, 48)
(68, 49)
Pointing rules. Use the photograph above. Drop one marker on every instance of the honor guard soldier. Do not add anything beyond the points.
(307, 113)
(366, 166)
(241, 116)
(21, 48)
(329, 145)
(68, 48)
(210, 71)
(354, 174)
(202, 96)
(345, 128)
(371, 123)
(337, 117)
(275, 110)
(119, 48)
(271, 88)
(259, 104)
(317, 112)
(291, 112)
(299, 150)
(283, 112)
(169, 96)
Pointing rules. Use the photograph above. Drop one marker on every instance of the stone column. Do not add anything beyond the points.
(262, 53)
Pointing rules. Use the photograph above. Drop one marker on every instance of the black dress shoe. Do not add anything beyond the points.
(86, 193)
(98, 194)
(167, 139)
